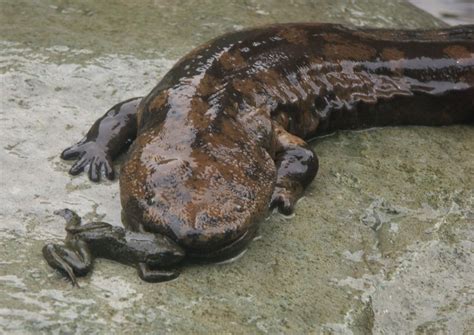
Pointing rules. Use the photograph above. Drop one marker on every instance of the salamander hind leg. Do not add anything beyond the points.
(297, 166)
(108, 136)
(153, 254)
(73, 258)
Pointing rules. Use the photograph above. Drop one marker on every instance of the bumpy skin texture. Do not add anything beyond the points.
(222, 137)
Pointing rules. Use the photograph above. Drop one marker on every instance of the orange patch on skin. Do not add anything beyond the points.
(270, 77)
(232, 61)
(248, 88)
(358, 52)
(457, 51)
(199, 106)
(198, 116)
(294, 36)
(392, 54)
(159, 101)
(274, 83)
(245, 86)
(207, 86)
(286, 139)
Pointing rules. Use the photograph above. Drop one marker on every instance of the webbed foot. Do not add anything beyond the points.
(72, 259)
(284, 200)
(154, 276)
(109, 136)
(152, 254)
(91, 156)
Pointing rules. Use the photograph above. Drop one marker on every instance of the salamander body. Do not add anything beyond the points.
(223, 136)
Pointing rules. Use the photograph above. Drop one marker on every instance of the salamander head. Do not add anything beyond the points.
(203, 196)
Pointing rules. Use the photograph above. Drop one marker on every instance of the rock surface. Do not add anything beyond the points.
(382, 242)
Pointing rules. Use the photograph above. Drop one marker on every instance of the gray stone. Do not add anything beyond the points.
(381, 243)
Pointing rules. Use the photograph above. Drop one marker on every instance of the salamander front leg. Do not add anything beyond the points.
(108, 136)
(297, 166)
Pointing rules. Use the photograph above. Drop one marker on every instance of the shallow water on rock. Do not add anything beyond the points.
(382, 241)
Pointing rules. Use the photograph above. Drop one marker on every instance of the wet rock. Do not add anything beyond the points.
(382, 242)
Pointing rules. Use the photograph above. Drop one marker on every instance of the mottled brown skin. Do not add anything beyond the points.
(222, 137)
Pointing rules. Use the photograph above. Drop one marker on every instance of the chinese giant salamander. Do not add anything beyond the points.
(223, 136)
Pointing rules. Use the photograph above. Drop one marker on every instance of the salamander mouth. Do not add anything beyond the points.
(227, 252)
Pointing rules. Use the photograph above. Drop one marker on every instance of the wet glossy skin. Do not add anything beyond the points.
(146, 251)
(222, 137)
